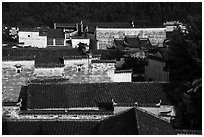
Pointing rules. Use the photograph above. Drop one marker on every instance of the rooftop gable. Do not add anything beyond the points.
(28, 29)
(53, 33)
(151, 125)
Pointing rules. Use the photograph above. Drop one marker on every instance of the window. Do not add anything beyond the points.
(78, 69)
(18, 70)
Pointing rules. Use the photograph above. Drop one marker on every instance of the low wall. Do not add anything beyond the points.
(123, 77)
(28, 64)
(49, 72)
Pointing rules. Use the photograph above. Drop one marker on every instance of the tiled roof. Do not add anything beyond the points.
(121, 124)
(81, 57)
(132, 41)
(49, 127)
(188, 132)
(18, 58)
(50, 80)
(29, 29)
(103, 61)
(151, 125)
(55, 55)
(120, 44)
(55, 33)
(87, 95)
(75, 57)
(62, 112)
(12, 45)
(64, 25)
(108, 24)
(49, 65)
(145, 43)
(80, 37)
(133, 121)
(124, 71)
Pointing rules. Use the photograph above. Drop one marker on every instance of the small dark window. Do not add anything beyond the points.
(28, 35)
(18, 71)
(79, 69)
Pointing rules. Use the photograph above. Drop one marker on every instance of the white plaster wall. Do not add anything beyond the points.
(73, 62)
(24, 63)
(34, 40)
(48, 72)
(77, 41)
(85, 62)
(122, 77)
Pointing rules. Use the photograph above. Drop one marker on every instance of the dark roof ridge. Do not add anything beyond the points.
(142, 110)
(49, 65)
(20, 120)
(146, 82)
(123, 71)
(103, 61)
(116, 114)
(135, 105)
(18, 58)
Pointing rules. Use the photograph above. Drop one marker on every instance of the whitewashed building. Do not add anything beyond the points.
(32, 37)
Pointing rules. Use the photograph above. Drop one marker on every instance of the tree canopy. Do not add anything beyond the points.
(46, 13)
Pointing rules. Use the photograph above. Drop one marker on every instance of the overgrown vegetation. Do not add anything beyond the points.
(44, 13)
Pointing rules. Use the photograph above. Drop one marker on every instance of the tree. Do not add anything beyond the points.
(186, 64)
(187, 69)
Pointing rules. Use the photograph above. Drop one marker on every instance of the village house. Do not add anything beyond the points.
(110, 104)
(105, 36)
(55, 37)
(41, 37)
(77, 40)
(20, 65)
(32, 37)
(157, 68)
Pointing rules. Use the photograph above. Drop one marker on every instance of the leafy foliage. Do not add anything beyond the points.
(186, 51)
(138, 65)
(36, 14)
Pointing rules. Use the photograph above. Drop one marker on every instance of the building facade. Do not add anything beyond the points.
(32, 38)
(105, 36)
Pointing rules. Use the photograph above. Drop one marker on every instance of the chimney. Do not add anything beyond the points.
(55, 25)
(79, 29)
(77, 26)
(133, 24)
(82, 29)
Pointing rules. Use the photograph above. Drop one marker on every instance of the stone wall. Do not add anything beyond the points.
(83, 70)
(106, 36)
(27, 64)
(10, 112)
(49, 72)
(12, 81)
